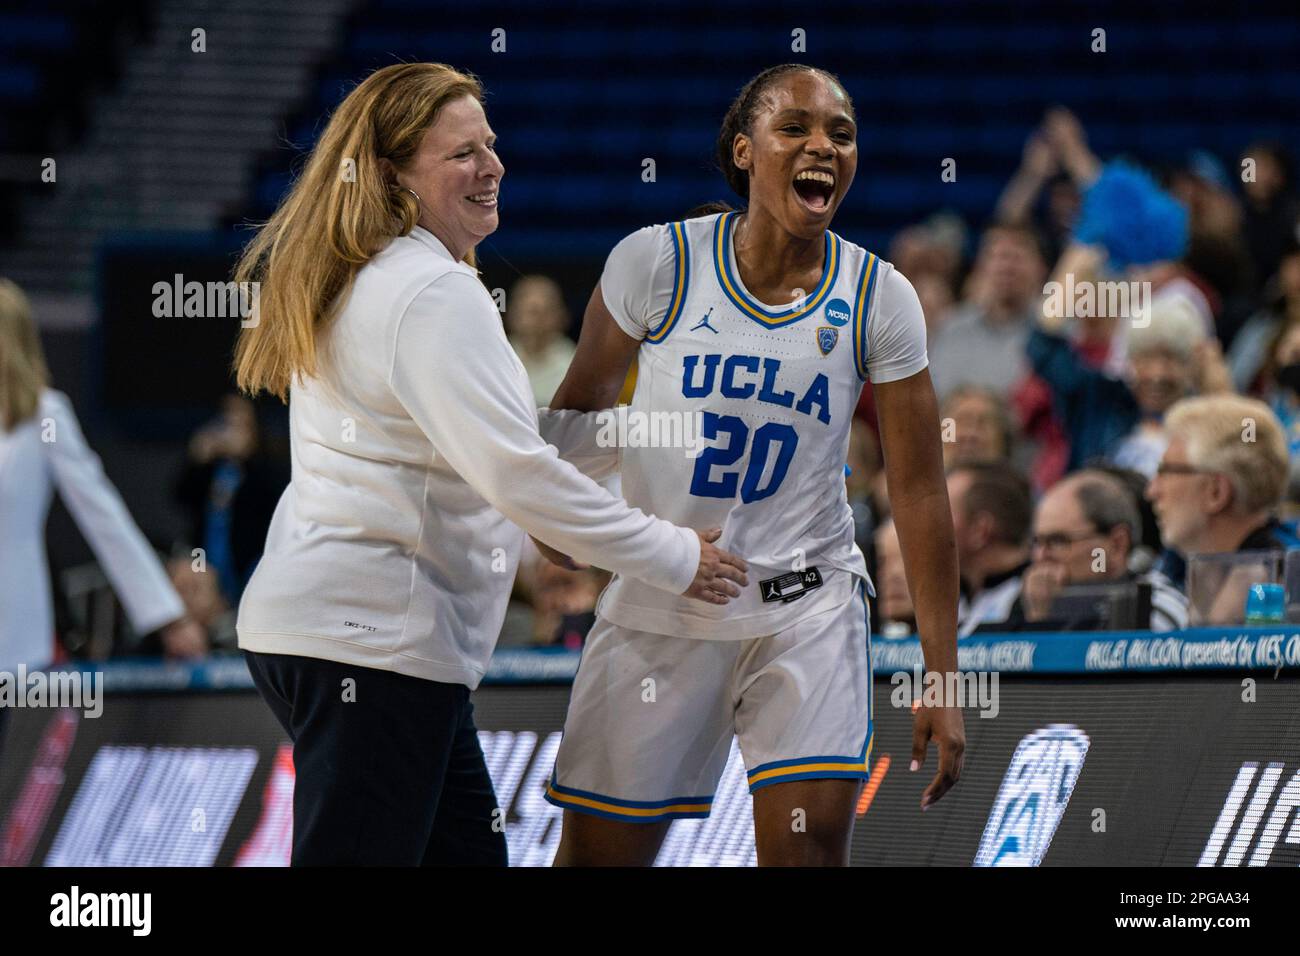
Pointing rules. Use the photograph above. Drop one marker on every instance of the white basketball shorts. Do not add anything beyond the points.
(651, 717)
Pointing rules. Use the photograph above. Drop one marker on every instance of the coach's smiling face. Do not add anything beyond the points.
(456, 174)
(803, 153)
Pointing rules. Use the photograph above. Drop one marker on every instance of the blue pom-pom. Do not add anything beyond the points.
(1136, 220)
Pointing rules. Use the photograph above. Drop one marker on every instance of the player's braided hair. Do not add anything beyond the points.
(740, 118)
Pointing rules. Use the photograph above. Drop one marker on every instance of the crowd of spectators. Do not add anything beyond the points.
(1091, 453)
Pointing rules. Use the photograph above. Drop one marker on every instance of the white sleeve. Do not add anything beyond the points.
(127, 559)
(455, 373)
(637, 284)
(896, 331)
(583, 439)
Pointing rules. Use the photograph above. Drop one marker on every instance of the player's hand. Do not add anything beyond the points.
(559, 558)
(945, 726)
(718, 570)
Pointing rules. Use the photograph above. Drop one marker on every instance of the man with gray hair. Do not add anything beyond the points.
(1086, 528)
(1222, 477)
(1216, 492)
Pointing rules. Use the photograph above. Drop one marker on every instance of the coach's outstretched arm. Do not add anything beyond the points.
(451, 353)
(918, 493)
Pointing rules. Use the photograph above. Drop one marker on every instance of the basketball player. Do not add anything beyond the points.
(768, 324)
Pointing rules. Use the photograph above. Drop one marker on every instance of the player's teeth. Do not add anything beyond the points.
(816, 176)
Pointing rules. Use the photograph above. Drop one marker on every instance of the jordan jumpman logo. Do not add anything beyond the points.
(704, 323)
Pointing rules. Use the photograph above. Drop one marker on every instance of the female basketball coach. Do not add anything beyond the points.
(417, 460)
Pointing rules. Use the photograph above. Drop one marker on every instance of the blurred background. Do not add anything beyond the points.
(174, 125)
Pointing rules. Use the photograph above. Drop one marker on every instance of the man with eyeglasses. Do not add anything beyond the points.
(1222, 476)
(1219, 484)
(1085, 529)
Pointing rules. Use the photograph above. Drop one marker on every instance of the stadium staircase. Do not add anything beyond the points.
(173, 145)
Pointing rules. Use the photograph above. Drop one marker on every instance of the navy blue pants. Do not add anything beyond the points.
(389, 768)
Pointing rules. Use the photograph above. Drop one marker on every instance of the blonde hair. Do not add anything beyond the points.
(307, 255)
(23, 373)
(1241, 438)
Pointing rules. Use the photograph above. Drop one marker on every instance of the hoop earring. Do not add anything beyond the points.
(418, 200)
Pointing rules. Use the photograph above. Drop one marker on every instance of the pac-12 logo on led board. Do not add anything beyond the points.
(1032, 799)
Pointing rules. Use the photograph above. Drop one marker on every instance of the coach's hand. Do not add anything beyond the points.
(559, 558)
(718, 569)
(946, 727)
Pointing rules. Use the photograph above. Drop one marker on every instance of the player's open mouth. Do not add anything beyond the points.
(815, 188)
(488, 199)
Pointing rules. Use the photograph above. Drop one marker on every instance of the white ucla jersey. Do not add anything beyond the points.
(775, 390)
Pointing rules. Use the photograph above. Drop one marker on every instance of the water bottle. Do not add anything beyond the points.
(1265, 604)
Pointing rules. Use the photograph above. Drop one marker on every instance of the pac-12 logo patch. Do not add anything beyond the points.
(837, 312)
(826, 339)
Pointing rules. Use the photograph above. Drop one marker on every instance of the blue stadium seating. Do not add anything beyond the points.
(585, 91)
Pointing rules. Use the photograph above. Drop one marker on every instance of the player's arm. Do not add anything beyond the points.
(633, 293)
(918, 493)
(600, 365)
(606, 345)
(593, 381)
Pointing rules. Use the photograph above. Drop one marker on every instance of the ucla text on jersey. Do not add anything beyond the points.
(740, 353)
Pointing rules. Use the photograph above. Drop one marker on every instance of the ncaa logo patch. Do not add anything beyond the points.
(837, 312)
(826, 339)
(1034, 794)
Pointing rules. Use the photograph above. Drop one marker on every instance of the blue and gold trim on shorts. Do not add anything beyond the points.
(628, 811)
(681, 284)
(771, 318)
(814, 768)
(826, 768)
(862, 311)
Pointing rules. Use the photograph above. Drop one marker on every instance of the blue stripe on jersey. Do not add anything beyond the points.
(771, 318)
(861, 312)
(681, 283)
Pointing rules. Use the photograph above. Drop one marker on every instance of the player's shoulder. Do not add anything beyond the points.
(659, 248)
(860, 259)
(693, 230)
(703, 227)
(875, 280)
